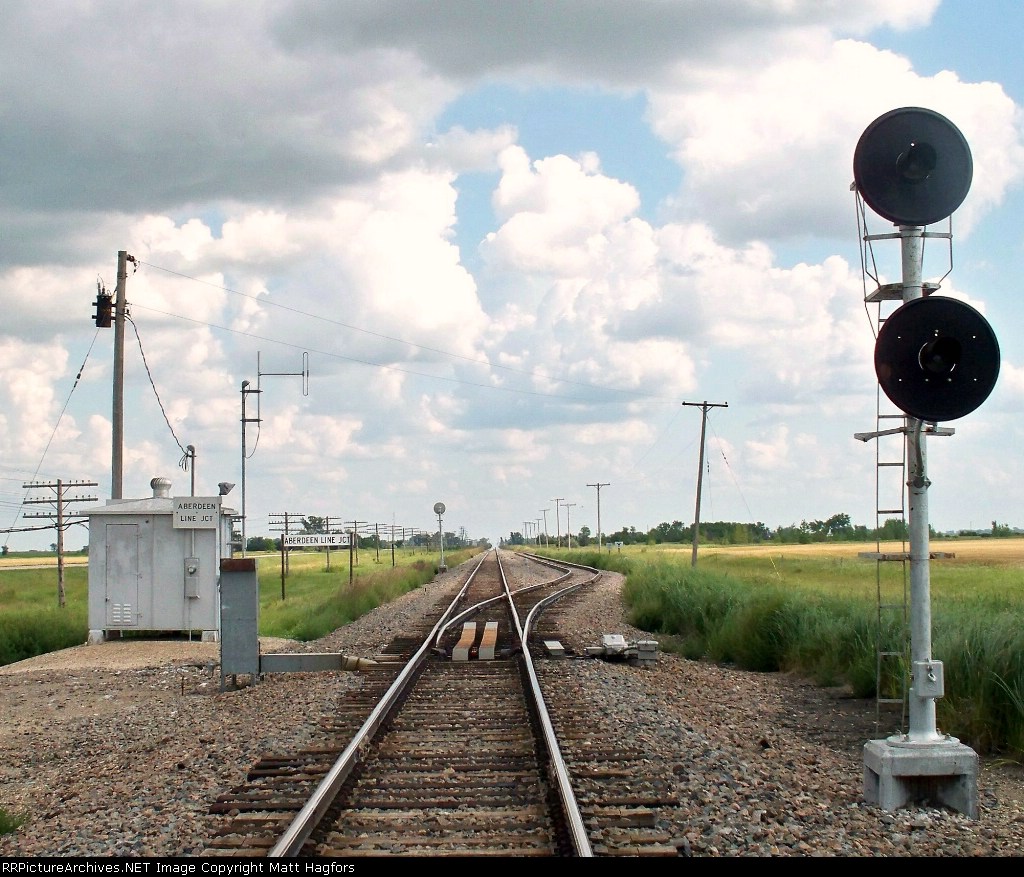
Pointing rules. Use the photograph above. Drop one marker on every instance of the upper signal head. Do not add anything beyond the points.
(912, 166)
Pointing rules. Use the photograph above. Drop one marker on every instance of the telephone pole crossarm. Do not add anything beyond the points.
(61, 516)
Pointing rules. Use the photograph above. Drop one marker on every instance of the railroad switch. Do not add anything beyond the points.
(615, 647)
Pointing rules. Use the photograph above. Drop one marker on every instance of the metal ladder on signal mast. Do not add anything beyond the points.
(892, 567)
(892, 574)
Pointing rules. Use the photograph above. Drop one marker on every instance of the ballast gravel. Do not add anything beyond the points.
(120, 748)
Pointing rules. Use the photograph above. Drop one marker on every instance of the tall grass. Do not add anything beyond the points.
(316, 600)
(31, 621)
(983, 656)
(817, 617)
(813, 616)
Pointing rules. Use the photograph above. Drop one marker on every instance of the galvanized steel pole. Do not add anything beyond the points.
(922, 725)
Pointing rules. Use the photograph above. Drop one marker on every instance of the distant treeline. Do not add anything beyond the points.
(837, 528)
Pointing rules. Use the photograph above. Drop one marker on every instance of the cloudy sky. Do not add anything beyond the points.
(508, 239)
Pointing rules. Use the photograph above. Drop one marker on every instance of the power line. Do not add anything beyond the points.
(263, 302)
(56, 426)
(394, 368)
(152, 383)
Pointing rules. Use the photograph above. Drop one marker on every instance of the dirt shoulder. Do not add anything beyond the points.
(133, 655)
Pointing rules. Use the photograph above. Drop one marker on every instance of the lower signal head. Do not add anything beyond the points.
(936, 358)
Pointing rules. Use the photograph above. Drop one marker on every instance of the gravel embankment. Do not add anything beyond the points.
(119, 749)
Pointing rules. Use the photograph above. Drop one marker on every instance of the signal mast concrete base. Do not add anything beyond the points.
(898, 772)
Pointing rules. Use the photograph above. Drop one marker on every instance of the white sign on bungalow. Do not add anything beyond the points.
(316, 540)
(196, 512)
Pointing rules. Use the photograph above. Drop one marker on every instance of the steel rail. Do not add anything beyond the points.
(298, 832)
(561, 564)
(483, 604)
(290, 843)
(563, 782)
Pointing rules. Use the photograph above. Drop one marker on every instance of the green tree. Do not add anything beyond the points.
(740, 534)
(313, 524)
(839, 525)
(262, 543)
(893, 530)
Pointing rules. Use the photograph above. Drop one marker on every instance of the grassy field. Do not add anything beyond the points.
(984, 551)
(23, 559)
(813, 610)
(316, 600)
(810, 609)
(961, 569)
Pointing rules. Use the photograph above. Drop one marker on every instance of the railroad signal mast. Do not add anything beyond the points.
(936, 359)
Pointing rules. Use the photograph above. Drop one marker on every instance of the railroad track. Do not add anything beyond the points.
(450, 749)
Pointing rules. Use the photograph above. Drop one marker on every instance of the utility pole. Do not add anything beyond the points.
(60, 517)
(246, 390)
(354, 548)
(599, 486)
(558, 532)
(376, 537)
(117, 407)
(545, 513)
(282, 526)
(189, 462)
(568, 529)
(327, 529)
(536, 522)
(704, 406)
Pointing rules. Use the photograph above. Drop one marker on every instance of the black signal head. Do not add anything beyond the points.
(912, 166)
(936, 358)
